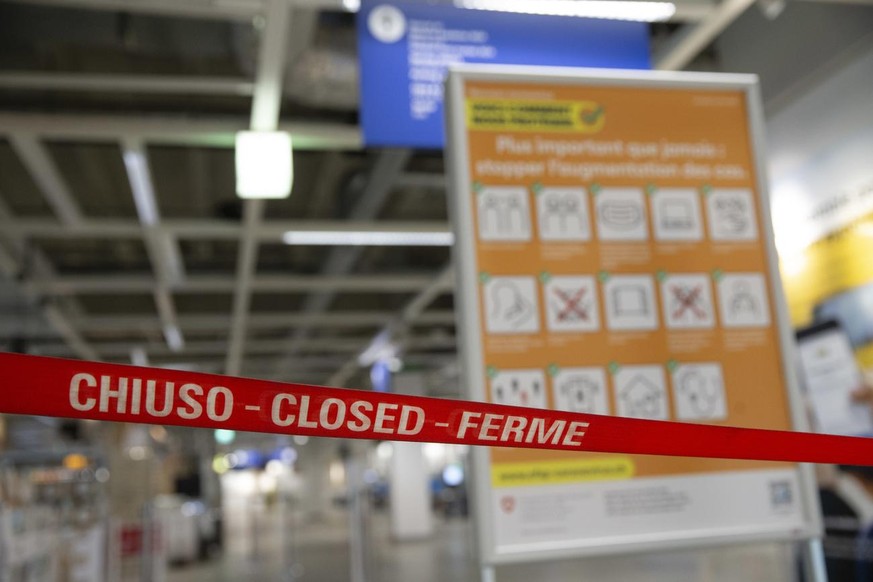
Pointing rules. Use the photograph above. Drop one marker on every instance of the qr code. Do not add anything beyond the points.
(781, 495)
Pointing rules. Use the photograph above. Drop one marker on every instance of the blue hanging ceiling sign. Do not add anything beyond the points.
(406, 48)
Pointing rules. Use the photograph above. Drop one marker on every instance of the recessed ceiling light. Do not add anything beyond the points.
(264, 164)
(641, 11)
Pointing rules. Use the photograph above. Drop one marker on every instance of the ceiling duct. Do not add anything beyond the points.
(325, 77)
(322, 59)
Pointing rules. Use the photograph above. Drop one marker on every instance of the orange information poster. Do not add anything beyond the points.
(615, 257)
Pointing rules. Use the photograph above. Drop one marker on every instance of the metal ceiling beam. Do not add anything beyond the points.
(259, 321)
(693, 10)
(41, 270)
(241, 10)
(163, 252)
(331, 173)
(253, 212)
(267, 96)
(120, 350)
(8, 264)
(381, 180)
(36, 158)
(207, 284)
(861, 2)
(308, 370)
(165, 130)
(111, 83)
(264, 373)
(687, 42)
(304, 26)
(411, 312)
(266, 104)
(161, 245)
(385, 171)
(330, 345)
(422, 180)
(431, 342)
(259, 370)
(322, 363)
(71, 335)
(435, 361)
(206, 229)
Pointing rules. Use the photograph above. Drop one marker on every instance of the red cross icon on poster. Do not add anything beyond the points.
(571, 304)
(687, 301)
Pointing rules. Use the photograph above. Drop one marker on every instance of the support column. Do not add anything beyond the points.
(411, 515)
(315, 458)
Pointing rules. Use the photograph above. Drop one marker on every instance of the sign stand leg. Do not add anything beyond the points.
(489, 574)
(813, 561)
(357, 518)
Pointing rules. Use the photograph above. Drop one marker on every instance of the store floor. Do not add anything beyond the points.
(319, 552)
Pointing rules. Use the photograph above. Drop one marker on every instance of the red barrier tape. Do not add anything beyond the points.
(44, 386)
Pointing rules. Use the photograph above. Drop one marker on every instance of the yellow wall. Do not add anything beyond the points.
(828, 267)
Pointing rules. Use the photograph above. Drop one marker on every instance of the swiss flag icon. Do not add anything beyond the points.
(507, 504)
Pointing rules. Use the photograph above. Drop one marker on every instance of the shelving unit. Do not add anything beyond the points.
(53, 516)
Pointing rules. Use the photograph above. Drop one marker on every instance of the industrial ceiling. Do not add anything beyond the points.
(104, 102)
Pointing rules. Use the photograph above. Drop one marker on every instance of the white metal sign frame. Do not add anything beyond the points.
(467, 309)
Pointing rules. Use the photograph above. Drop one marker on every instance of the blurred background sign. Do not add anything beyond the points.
(406, 49)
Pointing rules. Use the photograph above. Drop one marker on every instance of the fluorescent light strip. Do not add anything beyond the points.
(173, 337)
(368, 238)
(141, 184)
(641, 11)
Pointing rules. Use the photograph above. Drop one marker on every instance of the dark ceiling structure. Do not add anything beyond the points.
(122, 238)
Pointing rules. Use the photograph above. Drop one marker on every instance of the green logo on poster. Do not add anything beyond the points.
(614, 367)
(717, 275)
(651, 189)
(706, 189)
(661, 275)
(478, 187)
(484, 277)
(537, 188)
(491, 372)
(672, 365)
(553, 370)
(595, 188)
(603, 276)
(545, 277)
